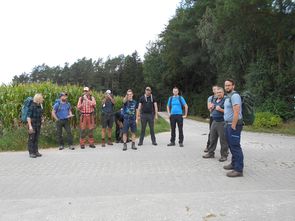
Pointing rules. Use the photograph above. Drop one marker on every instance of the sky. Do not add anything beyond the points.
(33, 32)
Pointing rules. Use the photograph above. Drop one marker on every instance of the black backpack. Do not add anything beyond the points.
(248, 110)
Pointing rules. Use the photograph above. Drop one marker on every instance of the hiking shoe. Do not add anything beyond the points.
(92, 146)
(38, 154)
(103, 145)
(61, 147)
(71, 148)
(181, 145)
(208, 155)
(140, 144)
(110, 142)
(82, 146)
(170, 144)
(133, 146)
(124, 146)
(234, 173)
(33, 155)
(155, 144)
(206, 150)
(228, 167)
(222, 159)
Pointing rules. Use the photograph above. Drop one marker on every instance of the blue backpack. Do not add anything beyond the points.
(25, 109)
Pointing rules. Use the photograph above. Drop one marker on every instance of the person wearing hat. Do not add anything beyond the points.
(107, 117)
(62, 112)
(148, 112)
(86, 105)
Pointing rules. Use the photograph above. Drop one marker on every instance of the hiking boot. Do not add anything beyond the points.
(228, 167)
(208, 155)
(71, 148)
(82, 146)
(124, 146)
(234, 173)
(140, 144)
(38, 154)
(170, 144)
(133, 147)
(110, 141)
(206, 150)
(103, 143)
(92, 146)
(222, 159)
(155, 144)
(61, 147)
(181, 145)
(33, 155)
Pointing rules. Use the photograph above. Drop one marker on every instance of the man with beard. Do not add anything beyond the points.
(62, 113)
(233, 128)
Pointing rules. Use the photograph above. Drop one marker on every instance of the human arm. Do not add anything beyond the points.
(156, 110)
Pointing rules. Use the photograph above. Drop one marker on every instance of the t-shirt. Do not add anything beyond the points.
(62, 110)
(211, 99)
(228, 106)
(147, 104)
(108, 107)
(176, 105)
(130, 109)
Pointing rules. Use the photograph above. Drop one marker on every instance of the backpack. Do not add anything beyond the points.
(25, 109)
(57, 101)
(247, 107)
(180, 101)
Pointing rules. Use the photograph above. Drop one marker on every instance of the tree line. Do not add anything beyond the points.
(251, 41)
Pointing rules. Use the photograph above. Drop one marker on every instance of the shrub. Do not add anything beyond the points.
(267, 120)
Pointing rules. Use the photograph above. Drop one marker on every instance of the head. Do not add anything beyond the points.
(214, 89)
(38, 98)
(63, 96)
(86, 91)
(219, 92)
(175, 91)
(229, 85)
(129, 94)
(107, 93)
(148, 91)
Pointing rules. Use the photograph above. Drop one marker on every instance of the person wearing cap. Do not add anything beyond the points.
(86, 105)
(148, 112)
(107, 117)
(62, 113)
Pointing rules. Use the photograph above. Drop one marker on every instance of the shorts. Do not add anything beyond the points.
(107, 120)
(129, 123)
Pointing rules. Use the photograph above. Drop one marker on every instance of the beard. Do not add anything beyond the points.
(63, 100)
(229, 91)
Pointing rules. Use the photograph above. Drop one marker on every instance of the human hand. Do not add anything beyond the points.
(31, 130)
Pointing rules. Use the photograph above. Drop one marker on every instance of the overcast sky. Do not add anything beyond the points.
(33, 32)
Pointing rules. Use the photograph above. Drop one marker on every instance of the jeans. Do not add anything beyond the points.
(33, 139)
(60, 124)
(234, 138)
(176, 119)
(147, 118)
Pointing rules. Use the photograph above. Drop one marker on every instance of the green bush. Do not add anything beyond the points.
(267, 120)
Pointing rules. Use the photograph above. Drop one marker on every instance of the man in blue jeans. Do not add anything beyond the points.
(233, 128)
(175, 107)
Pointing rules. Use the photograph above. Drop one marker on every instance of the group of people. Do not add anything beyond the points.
(225, 121)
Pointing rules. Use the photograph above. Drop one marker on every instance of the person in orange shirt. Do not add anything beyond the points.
(86, 105)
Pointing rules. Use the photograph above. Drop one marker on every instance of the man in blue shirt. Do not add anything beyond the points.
(175, 107)
(62, 113)
(129, 110)
(234, 125)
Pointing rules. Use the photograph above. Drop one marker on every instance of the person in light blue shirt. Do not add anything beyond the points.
(233, 128)
(175, 106)
(62, 113)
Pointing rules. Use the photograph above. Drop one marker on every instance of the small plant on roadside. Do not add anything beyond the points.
(267, 120)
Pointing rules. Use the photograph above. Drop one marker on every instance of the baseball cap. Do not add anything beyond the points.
(86, 89)
(108, 91)
(63, 94)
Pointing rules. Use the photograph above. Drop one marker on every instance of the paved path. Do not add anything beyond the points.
(154, 183)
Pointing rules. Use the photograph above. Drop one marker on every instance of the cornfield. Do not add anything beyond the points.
(12, 98)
